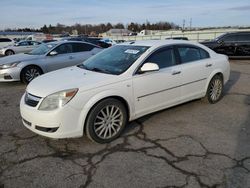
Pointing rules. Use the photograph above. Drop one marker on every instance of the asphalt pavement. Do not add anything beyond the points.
(192, 145)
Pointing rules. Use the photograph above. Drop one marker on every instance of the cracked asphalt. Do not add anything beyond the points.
(192, 145)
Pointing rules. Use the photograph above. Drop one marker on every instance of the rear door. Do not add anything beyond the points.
(83, 51)
(159, 89)
(196, 66)
(243, 44)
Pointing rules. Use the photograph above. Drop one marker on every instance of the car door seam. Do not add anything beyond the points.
(170, 88)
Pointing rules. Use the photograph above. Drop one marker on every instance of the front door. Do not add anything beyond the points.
(157, 90)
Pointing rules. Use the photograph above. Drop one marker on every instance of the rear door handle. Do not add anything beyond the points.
(176, 72)
(71, 57)
(209, 65)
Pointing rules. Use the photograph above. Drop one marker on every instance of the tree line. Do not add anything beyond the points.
(90, 29)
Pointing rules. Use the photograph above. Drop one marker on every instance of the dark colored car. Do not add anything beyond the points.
(47, 41)
(232, 44)
(92, 40)
(177, 38)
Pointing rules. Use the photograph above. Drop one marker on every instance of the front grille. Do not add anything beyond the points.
(31, 100)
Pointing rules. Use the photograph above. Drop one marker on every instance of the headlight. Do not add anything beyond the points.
(9, 65)
(57, 100)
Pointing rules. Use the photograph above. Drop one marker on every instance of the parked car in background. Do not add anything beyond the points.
(120, 84)
(19, 47)
(235, 44)
(47, 41)
(92, 40)
(108, 41)
(177, 38)
(6, 42)
(47, 57)
(119, 41)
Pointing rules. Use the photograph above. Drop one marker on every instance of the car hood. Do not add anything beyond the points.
(18, 57)
(68, 78)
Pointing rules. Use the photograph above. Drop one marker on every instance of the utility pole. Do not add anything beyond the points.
(190, 26)
(183, 24)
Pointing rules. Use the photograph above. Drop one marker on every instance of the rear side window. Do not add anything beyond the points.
(189, 54)
(79, 47)
(163, 58)
(244, 37)
(5, 40)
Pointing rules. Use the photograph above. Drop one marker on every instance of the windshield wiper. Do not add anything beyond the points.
(100, 70)
(95, 69)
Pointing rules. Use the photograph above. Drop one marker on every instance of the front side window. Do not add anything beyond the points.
(64, 49)
(42, 49)
(163, 58)
(229, 38)
(189, 54)
(114, 60)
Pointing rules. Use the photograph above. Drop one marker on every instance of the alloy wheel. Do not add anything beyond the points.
(108, 122)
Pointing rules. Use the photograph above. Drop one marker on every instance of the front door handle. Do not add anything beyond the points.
(71, 57)
(176, 72)
(209, 65)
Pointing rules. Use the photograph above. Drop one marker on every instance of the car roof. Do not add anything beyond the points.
(71, 41)
(157, 43)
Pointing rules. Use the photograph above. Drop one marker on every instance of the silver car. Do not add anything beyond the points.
(47, 57)
(19, 47)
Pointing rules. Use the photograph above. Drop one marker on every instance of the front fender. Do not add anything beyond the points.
(100, 96)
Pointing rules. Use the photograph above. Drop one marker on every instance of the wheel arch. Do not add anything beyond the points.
(97, 99)
(9, 50)
(215, 72)
(29, 65)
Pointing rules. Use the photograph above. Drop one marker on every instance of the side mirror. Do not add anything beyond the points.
(16, 44)
(221, 41)
(53, 53)
(149, 67)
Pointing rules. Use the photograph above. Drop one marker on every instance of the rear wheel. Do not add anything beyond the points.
(29, 73)
(9, 52)
(106, 121)
(215, 89)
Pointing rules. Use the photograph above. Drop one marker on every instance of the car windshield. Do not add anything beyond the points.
(114, 60)
(42, 49)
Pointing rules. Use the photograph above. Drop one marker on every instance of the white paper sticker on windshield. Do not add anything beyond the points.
(130, 51)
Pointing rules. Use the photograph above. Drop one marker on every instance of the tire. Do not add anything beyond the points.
(9, 52)
(29, 73)
(106, 121)
(214, 90)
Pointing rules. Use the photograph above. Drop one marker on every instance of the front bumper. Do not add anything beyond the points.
(60, 123)
(2, 52)
(9, 75)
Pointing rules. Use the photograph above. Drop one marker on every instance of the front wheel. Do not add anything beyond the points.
(215, 89)
(106, 121)
(9, 52)
(29, 73)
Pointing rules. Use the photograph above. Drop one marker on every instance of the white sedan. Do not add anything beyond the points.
(120, 84)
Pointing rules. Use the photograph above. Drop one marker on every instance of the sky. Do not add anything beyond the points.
(204, 13)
